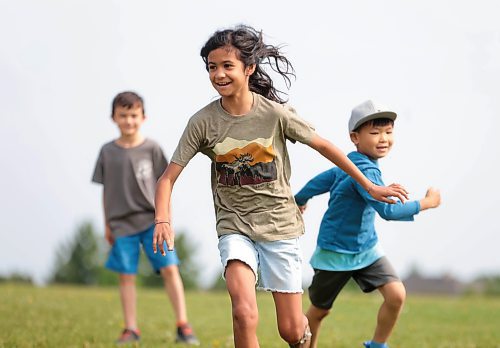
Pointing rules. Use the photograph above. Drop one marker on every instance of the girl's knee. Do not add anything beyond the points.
(245, 315)
(292, 335)
(292, 332)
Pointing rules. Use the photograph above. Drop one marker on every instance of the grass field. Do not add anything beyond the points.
(91, 317)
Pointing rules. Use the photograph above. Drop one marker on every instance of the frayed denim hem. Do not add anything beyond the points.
(280, 291)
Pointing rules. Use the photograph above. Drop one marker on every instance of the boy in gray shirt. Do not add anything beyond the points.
(128, 169)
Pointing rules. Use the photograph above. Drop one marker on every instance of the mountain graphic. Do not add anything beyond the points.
(242, 162)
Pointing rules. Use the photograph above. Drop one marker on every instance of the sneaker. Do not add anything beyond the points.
(186, 335)
(129, 336)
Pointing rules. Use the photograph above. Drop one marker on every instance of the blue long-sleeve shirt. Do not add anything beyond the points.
(348, 225)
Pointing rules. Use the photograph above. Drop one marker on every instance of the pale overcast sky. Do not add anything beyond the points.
(436, 63)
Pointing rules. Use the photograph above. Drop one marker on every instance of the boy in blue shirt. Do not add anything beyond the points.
(347, 245)
(128, 169)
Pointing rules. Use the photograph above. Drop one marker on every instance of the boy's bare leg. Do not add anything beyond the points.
(292, 323)
(315, 315)
(394, 294)
(174, 287)
(128, 298)
(240, 282)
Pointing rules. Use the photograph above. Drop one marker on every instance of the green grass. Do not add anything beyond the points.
(91, 317)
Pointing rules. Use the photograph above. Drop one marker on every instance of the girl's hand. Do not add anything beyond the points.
(382, 193)
(163, 233)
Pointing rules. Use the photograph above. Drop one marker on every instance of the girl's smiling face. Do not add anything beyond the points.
(228, 74)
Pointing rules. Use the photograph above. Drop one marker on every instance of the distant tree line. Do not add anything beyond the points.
(16, 277)
(80, 260)
(485, 285)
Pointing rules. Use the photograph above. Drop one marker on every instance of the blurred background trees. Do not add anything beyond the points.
(80, 260)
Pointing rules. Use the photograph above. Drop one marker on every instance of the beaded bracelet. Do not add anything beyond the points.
(162, 222)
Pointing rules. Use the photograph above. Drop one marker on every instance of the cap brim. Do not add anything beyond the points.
(382, 114)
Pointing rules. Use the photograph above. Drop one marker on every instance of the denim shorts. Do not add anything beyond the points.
(124, 254)
(277, 265)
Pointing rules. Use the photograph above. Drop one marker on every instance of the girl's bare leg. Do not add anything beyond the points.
(292, 323)
(240, 282)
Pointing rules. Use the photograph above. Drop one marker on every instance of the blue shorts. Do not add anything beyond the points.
(124, 254)
(279, 263)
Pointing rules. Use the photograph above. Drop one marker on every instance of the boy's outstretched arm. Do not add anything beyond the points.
(163, 229)
(399, 211)
(334, 154)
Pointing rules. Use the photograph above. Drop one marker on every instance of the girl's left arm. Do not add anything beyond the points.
(334, 154)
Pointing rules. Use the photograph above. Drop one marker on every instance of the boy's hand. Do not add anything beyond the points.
(381, 193)
(302, 208)
(108, 235)
(163, 233)
(432, 199)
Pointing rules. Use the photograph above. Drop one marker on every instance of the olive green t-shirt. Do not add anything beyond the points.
(250, 166)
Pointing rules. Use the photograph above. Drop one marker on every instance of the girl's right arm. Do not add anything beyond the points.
(163, 229)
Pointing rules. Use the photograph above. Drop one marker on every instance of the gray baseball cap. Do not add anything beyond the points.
(368, 111)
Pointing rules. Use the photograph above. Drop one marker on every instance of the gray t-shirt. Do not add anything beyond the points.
(129, 178)
(250, 166)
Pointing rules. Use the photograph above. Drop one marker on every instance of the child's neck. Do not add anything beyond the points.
(128, 141)
(367, 155)
(238, 105)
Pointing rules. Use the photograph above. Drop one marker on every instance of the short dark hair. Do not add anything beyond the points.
(377, 122)
(127, 99)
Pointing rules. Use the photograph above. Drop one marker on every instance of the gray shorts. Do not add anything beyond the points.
(326, 285)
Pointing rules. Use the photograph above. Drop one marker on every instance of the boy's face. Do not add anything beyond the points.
(129, 120)
(374, 141)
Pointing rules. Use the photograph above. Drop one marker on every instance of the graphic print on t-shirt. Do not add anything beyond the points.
(243, 162)
(144, 169)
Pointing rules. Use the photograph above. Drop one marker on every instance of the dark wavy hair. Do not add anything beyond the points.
(251, 49)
